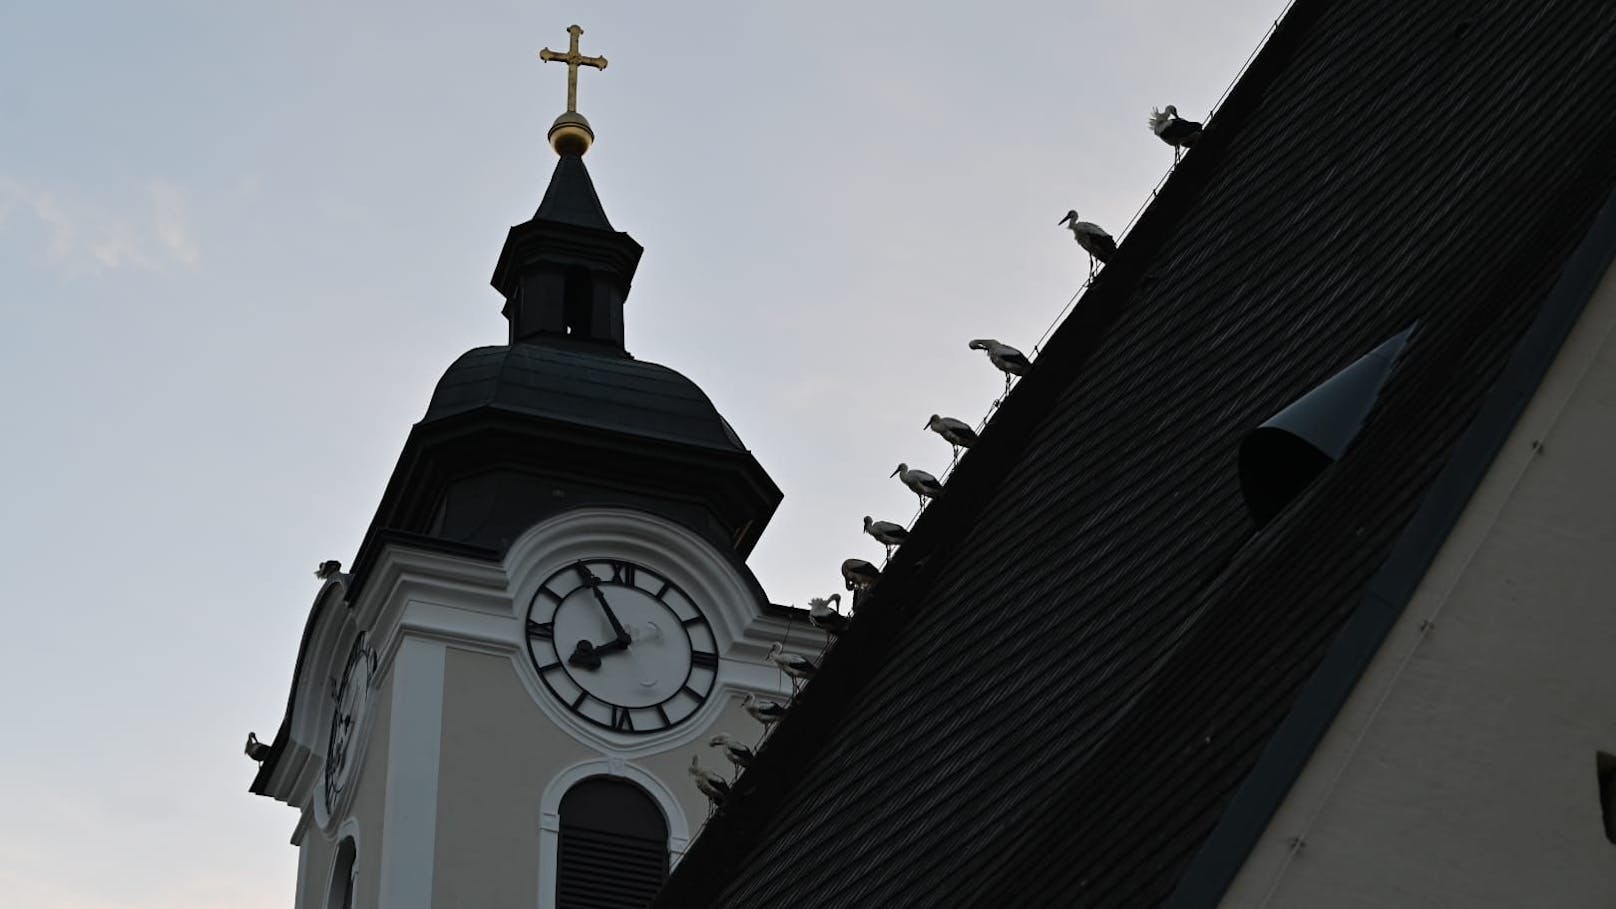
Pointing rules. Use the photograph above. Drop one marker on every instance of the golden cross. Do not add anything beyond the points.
(573, 59)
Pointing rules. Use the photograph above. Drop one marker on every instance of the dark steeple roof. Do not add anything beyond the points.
(571, 198)
(562, 416)
(566, 273)
(1087, 680)
(610, 394)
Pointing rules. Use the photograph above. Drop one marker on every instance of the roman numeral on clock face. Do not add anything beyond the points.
(704, 659)
(545, 630)
(621, 720)
(623, 573)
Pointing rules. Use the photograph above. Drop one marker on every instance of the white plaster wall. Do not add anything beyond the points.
(499, 753)
(370, 800)
(1461, 771)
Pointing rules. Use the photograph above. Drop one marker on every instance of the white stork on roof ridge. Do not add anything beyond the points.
(858, 574)
(957, 433)
(823, 616)
(886, 533)
(715, 787)
(1174, 130)
(1004, 358)
(766, 712)
(1094, 240)
(922, 484)
(793, 664)
(739, 753)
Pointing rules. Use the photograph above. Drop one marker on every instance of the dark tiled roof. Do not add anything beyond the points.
(600, 390)
(1085, 647)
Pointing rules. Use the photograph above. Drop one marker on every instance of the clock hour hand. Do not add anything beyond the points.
(587, 655)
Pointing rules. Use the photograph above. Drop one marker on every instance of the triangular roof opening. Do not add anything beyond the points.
(1282, 456)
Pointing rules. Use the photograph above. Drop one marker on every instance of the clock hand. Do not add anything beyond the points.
(593, 583)
(587, 655)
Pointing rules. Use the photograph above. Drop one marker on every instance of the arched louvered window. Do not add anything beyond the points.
(578, 302)
(613, 850)
(340, 895)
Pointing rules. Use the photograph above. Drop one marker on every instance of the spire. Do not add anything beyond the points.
(565, 274)
(571, 197)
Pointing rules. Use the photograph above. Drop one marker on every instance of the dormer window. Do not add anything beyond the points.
(1284, 455)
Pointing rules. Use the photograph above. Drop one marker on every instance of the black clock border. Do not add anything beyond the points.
(560, 661)
(358, 655)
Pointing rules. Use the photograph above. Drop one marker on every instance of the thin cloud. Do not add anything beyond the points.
(82, 235)
(171, 219)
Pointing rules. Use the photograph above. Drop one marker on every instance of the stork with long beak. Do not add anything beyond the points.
(1095, 241)
(922, 484)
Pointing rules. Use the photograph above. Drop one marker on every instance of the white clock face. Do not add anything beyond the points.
(351, 696)
(621, 646)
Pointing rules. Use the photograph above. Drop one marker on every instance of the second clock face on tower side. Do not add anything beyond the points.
(351, 697)
(621, 645)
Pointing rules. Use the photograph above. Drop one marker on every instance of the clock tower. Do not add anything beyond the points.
(549, 616)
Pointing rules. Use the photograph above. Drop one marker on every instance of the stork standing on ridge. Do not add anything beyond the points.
(1095, 241)
(765, 712)
(715, 787)
(886, 533)
(922, 484)
(957, 433)
(858, 574)
(739, 754)
(1174, 130)
(795, 665)
(1005, 358)
(821, 615)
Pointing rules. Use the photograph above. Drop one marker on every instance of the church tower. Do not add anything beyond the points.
(549, 616)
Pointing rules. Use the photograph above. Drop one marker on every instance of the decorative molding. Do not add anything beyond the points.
(550, 814)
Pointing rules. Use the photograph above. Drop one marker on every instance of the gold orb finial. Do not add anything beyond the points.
(571, 134)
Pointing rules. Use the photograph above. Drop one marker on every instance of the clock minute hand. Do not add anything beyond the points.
(594, 587)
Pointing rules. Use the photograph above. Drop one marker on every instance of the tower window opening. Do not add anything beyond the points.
(340, 894)
(1605, 771)
(613, 849)
(578, 301)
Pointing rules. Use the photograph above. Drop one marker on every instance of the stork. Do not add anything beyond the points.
(825, 617)
(795, 665)
(886, 533)
(1005, 358)
(1095, 241)
(715, 787)
(922, 484)
(1174, 130)
(327, 569)
(957, 433)
(859, 574)
(256, 750)
(765, 712)
(739, 754)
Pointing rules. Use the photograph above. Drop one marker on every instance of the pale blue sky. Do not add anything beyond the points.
(240, 242)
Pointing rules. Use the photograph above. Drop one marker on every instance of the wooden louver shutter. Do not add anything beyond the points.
(613, 850)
